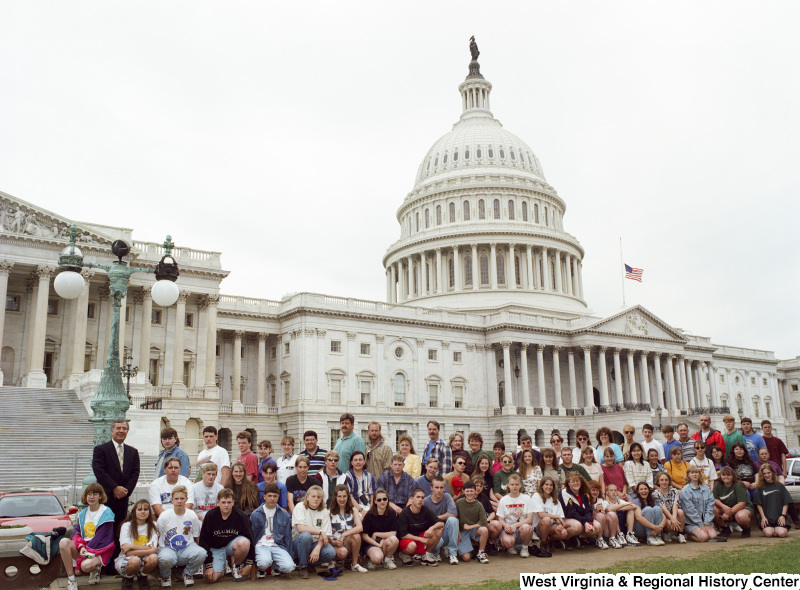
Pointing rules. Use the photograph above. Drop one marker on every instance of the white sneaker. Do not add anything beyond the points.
(94, 576)
(482, 557)
(512, 551)
(524, 552)
(166, 582)
(261, 574)
(612, 542)
(736, 528)
(389, 563)
(370, 565)
(621, 539)
(188, 580)
(445, 553)
(453, 560)
(275, 571)
(681, 538)
(601, 544)
(72, 584)
(631, 539)
(358, 568)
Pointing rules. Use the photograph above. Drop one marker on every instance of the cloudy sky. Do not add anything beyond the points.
(286, 135)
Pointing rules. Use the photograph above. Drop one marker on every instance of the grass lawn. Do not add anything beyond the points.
(781, 558)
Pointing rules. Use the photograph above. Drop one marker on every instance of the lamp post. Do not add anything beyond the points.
(658, 410)
(110, 401)
(128, 371)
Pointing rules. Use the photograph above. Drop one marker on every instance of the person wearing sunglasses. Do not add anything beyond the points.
(379, 537)
(582, 436)
(629, 431)
(459, 470)
(330, 476)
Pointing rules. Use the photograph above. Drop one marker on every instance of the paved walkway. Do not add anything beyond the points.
(500, 567)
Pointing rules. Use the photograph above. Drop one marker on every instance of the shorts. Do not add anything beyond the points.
(220, 556)
(121, 565)
(774, 523)
(467, 538)
(421, 547)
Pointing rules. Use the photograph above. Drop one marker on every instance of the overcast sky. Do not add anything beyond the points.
(286, 135)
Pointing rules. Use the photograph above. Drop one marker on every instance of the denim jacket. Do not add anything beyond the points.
(281, 527)
(179, 453)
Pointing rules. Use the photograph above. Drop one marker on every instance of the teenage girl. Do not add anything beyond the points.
(138, 541)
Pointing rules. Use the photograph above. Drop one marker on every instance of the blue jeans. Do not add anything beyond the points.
(449, 537)
(192, 556)
(220, 556)
(467, 537)
(305, 544)
(653, 515)
(274, 557)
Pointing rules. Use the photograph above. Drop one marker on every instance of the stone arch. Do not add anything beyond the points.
(225, 439)
(538, 438)
(570, 438)
(498, 435)
(617, 437)
(253, 437)
(192, 441)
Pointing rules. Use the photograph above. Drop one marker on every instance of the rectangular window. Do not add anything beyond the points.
(241, 352)
(432, 354)
(797, 416)
(286, 348)
(273, 353)
(366, 392)
(336, 391)
(336, 346)
(458, 396)
(722, 378)
(52, 307)
(769, 409)
(286, 390)
(127, 314)
(397, 435)
(186, 373)
(272, 394)
(155, 317)
(764, 382)
(189, 320)
(433, 395)
(365, 434)
(456, 356)
(365, 349)
(752, 380)
(794, 386)
(335, 434)
(12, 303)
(90, 311)
(218, 350)
(153, 373)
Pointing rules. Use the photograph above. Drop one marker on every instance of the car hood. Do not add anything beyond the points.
(39, 524)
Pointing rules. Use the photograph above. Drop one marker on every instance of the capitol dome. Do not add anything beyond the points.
(482, 228)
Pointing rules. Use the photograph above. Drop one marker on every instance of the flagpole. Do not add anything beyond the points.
(622, 275)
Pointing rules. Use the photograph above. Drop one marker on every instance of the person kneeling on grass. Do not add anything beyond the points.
(772, 500)
(473, 524)
(138, 541)
(515, 511)
(92, 545)
(225, 535)
(272, 529)
(419, 531)
(579, 512)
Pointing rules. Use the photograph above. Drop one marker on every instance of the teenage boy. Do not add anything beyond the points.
(567, 465)
(398, 484)
(286, 462)
(272, 529)
(419, 531)
(214, 453)
(444, 508)
(298, 484)
(244, 440)
(752, 440)
(226, 534)
(651, 443)
(315, 454)
(425, 481)
(206, 490)
(160, 492)
(269, 473)
(777, 449)
(178, 534)
(515, 511)
(526, 443)
(264, 457)
(731, 434)
(473, 524)
(668, 430)
(475, 441)
(171, 444)
(459, 465)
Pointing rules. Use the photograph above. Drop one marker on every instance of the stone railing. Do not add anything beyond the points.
(162, 391)
(195, 393)
(522, 411)
(538, 411)
(498, 412)
(575, 412)
(251, 410)
(554, 412)
(226, 408)
(709, 410)
(153, 251)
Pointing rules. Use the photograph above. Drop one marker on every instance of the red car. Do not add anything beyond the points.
(42, 511)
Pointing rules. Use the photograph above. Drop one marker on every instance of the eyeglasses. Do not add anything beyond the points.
(582, 438)
(381, 499)
(460, 463)
(332, 459)
(629, 432)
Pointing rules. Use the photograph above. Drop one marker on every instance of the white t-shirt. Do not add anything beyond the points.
(219, 457)
(513, 510)
(268, 539)
(318, 519)
(141, 539)
(285, 467)
(177, 532)
(706, 466)
(161, 491)
(577, 456)
(205, 497)
(550, 507)
(653, 444)
(90, 521)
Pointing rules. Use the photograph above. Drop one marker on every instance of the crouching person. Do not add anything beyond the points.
(138, 541)
(311, 527)
(178, 534)
(225, 535)
(272, 531)
(473, 524)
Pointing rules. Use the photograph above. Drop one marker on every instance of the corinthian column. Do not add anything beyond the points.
(177, 348)
(5, 270)
(236, 385)
(526, 394)
(75, 365)
(36, 376)
(211, 346)
(601, 359)
(262, 369)
(587, 376)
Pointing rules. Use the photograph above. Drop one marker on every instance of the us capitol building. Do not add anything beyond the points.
(485, 325)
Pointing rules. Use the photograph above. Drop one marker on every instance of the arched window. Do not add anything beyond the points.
(444, 159)
(516, 270)
(484, 260)
(428, 167)
(501, 269)
(535, 213)
(502, 154)
(399, 389)
(427, 218)
(511, 209)
(466, 154)
(438, 215)
(478, 153)
(513, 157)
(501, 393)
(496, 206)
(481, 209)
(545, 217)
(491, 153)
(522, 157)
(465, 213)
(455, 156)
(524, 211)
(436, 162)
(417, 221)
(451, 272)
(451, 210)
(468, 269)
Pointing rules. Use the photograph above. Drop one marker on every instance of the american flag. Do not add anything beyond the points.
(635, 274)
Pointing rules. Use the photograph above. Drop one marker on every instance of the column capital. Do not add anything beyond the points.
(524, 346)
(570, 351)
(670, 356)
(309, 332)
(45, 271)
(445, 344)
(493, 244)
(556, 348)
(488, 347)
(105, 291)
(602, 349)
(420, 342)
(321, 332)
(238, 334)
(474, 246)
(380, 338)
(252, 338)
(5, 267)
(262, 336)
(617, 350)
(512, 245)
(439, 250)
(506, 344)
(587, 349)
(656, 354)
(540, 347)
(138, 297)
(351, 335)
(183, 296)
(88, 273)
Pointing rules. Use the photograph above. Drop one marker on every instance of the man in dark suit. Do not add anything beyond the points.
(116, 467)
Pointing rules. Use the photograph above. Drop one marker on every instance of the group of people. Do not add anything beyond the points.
(361, 504)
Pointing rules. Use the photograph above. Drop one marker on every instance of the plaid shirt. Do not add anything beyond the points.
(398, 493)
(440, 450)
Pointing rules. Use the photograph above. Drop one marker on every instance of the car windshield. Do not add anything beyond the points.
(19, 506)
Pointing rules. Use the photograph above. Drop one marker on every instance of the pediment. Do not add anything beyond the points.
(636, 321)
(23, 220)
